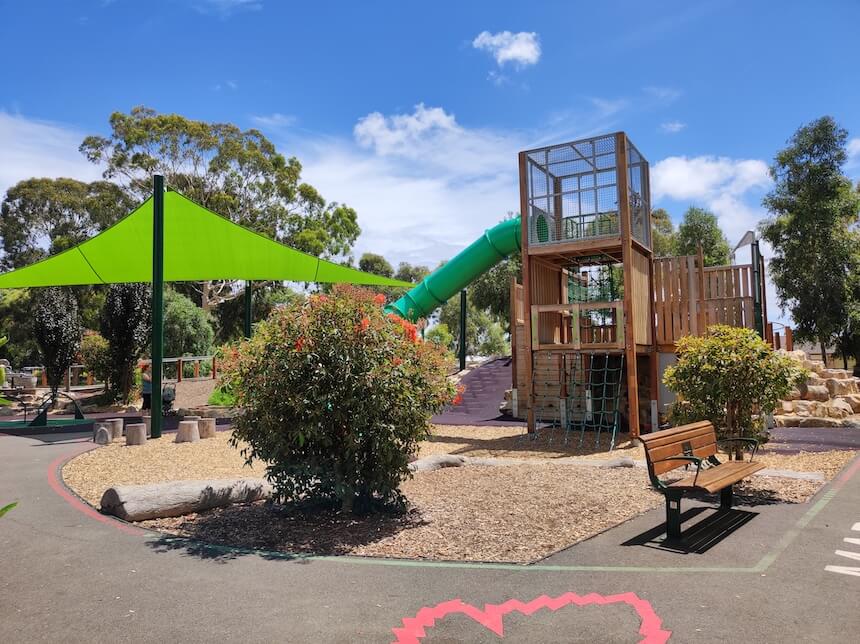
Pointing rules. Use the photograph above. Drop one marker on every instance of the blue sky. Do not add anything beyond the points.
(413, 112)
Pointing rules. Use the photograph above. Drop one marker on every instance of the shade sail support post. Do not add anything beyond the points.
(157, 410)
(249, 307)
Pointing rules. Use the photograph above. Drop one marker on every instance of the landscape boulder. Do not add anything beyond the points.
(176, 498)
(102, 434)
(814, 392)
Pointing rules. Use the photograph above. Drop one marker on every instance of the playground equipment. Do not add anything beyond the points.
(595, 320)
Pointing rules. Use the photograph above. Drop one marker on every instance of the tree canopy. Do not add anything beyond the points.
(812, 229)
(61, 212)
(376, 264)
(664, 238)
(700, 226)
(57, 329)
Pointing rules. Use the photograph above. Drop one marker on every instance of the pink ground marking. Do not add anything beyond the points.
(414, 628)
(79, 505)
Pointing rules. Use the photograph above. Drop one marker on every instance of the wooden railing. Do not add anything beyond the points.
(584, 326)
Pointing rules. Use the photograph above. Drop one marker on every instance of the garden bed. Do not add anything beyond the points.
(517, 512)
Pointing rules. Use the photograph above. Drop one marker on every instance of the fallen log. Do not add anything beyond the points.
(175, 498)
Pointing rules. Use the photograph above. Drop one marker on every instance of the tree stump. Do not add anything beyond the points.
(191, 418)
(207, 427)
(116, 425)
(147, 420)
(188, 432)
(135, 434)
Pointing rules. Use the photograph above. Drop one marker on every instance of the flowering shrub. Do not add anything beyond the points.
(334, 396)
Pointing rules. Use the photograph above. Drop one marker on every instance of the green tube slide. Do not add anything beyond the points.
(434, 290)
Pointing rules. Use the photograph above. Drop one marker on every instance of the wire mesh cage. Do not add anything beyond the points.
(573, 191)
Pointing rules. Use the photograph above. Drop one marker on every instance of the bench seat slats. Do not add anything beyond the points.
(701, 446)
(716, 478)
(667, 437)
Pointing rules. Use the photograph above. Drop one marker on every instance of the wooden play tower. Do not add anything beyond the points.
(595, 320)
(586, 239)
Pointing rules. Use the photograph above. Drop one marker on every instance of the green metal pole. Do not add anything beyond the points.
(249, 307)
(758, 289)
(157, 301)
(462, 329)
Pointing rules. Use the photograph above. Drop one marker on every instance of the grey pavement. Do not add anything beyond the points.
(757, 574)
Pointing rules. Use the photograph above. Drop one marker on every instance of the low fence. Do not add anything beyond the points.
(175, 370)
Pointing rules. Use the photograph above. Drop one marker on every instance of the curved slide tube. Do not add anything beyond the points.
(434, 290)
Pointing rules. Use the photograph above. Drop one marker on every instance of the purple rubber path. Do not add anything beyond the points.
(485, 390)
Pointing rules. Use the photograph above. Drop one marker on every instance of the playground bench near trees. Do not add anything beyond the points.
(694, 444)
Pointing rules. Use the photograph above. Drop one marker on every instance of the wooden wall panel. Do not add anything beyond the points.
(642, 299)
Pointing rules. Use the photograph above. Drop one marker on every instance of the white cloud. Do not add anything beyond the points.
(34, 148)
(853, 151)
(672, 127)
(431, 137)
(226, 8)
(274, 120)
(719, 183)
(521, 48)
(663, 94)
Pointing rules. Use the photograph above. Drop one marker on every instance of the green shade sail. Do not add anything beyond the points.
(199, 245)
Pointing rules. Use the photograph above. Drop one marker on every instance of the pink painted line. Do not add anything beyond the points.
(414, 628)
(847, 474)
(54, 480)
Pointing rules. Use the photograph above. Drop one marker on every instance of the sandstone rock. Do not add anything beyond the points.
(7, 411)
(787, 406)
(815, 379)
(838, 374)
(188, 432)
(808, 408)
(787, 421)
(436, 462)
(175, 498)
(814, 392)
(838, 408)
(819, 421)
(814, 366)
(794, 394)
(206, 427)
(102, 434)
(135, 434)
(837, 387)
(854, 401)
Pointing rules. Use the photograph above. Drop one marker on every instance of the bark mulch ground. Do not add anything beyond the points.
(517, 513)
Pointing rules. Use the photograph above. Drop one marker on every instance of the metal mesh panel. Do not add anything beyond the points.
(573, 191)
(639, 194)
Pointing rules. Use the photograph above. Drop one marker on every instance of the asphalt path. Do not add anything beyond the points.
(770, 573)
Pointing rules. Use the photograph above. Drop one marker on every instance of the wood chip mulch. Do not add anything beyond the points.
(515, 513)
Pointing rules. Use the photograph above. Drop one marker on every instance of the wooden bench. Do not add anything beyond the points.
(693, 445)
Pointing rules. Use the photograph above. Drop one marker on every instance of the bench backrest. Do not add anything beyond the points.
(695, 439)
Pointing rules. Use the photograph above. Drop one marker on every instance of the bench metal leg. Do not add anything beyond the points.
(673, 515)
(726, 498)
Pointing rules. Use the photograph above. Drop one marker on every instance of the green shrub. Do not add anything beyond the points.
(222, 397)
(334, 396)
(730, 377)
(95, 354)
(187, 327)
(441, 335)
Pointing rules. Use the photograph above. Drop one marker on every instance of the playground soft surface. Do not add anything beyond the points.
(517, 513)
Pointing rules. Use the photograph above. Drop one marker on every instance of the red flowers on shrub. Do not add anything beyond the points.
(343, 425)
(379, 298)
